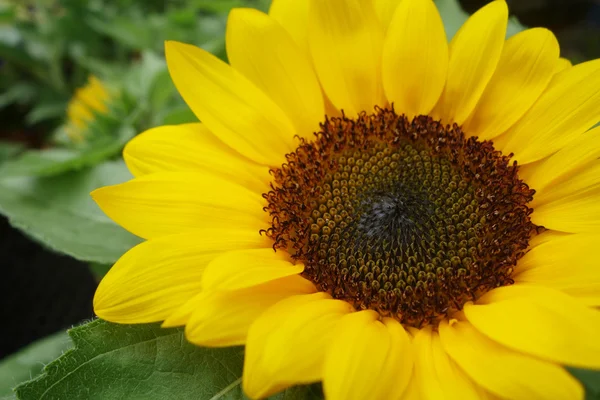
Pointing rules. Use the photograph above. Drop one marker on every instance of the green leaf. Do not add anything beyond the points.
(7, 14)
(179, 115)
(112, 361)
(20, 93)
(45, 111)
(141, 78)
(29, 361)
(454, 16)
(514, 26)
(55, 161)
(124, 31)
(590, 380)
(162, 90)
(9, 149)
(212, 6)
(99, 270)
(305, 392)
(59, 212)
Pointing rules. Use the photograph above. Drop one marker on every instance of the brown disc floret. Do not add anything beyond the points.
(408, 218)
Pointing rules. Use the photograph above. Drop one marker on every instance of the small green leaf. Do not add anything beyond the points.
(141, 78)
(590, 380)
(56, 161)
(29, 361)
(112, 361)
(9, 149)
(39, 162)
(126, 32)
(20, 93)
(7, 14)
(45, 111)
(454, 16)
(162, 90)
(216, 7)
(99, 270)
(305, 392)
(514, 26)
(179, 115)
(59, 212)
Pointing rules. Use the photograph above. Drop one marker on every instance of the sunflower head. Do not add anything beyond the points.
(370, 205)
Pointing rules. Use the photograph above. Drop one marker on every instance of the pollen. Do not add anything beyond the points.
(411, 219)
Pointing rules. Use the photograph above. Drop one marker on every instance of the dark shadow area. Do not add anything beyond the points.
(41, 291)
(576, 23)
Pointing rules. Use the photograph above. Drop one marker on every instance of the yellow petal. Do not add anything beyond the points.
(437, 376)
(504, 372)
(569, 106)
(230, 106)
(287, 344)
(539, 321)
(525, 68)
(293, 17)
(155, 277)
(345, 41)
(191, 147)
(415, 58)
(561, 65)
(385, 10)
(368, 359)
(578, 213)
(222, 318)
(555, 171)
(265, 53)
(474, 54)
(568, 263)
(167, 203)
(578, 184)
(544, 237)
(412, 391)
(243, 268)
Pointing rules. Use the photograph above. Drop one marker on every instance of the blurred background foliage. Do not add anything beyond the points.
(49, 48)
(79, 78)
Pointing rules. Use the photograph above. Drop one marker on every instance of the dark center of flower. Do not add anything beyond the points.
(408, 218)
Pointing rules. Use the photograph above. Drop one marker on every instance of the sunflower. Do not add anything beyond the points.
(367, 205)
(88, 100)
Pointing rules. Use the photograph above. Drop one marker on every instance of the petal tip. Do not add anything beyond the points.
(99, 194)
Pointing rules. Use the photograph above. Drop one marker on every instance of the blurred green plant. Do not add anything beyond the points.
(48, 50)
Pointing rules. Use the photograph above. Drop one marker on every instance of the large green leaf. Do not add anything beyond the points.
(59, 212)
(29, 361)
(112, 361)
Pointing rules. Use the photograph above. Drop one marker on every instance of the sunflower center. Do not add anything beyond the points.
(408, 218)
